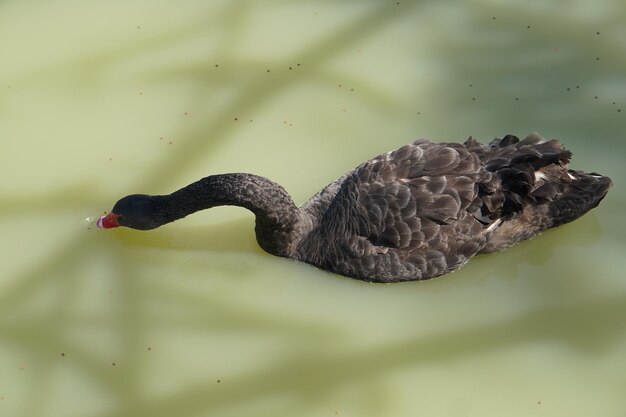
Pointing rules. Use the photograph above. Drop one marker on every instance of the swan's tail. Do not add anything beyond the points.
(534, 172)
(535, 190)
(585, 192)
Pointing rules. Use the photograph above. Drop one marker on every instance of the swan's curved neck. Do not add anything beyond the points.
(277, 216)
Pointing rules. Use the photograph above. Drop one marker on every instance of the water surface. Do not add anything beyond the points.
(193, 319)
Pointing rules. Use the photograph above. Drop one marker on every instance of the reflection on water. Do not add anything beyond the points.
(193, 319)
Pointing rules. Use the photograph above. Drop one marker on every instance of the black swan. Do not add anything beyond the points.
(413, 213)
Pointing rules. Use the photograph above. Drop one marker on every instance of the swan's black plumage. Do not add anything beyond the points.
(416, 212)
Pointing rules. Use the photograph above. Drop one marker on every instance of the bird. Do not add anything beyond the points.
(413, 213)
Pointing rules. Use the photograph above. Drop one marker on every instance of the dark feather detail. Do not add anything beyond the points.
(426, 208)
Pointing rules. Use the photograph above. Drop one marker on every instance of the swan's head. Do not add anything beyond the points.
(137, 211)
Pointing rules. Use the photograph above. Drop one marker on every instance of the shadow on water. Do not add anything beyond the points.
(573, 326)
(590, 326)
(328, 372)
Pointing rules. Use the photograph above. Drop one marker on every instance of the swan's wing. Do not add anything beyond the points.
(403, 215)
(419, 196)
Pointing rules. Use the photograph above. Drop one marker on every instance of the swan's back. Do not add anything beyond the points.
(426, 208)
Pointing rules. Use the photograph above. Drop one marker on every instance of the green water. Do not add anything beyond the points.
(99, 100)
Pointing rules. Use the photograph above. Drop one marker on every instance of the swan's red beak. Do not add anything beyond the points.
(109, 221)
